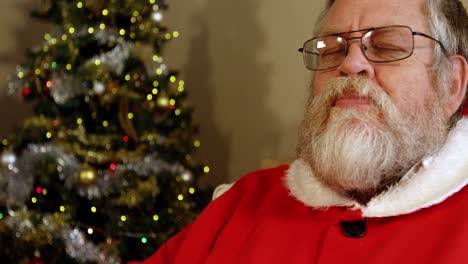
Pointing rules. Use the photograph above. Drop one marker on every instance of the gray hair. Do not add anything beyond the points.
(448, 22)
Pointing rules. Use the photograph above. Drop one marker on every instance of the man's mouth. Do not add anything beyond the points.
(351, 99)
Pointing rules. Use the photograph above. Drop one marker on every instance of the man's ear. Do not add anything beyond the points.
(459, 78)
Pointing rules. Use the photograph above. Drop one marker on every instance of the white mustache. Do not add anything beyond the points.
(360, 86)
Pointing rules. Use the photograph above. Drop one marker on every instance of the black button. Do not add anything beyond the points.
(355, 229)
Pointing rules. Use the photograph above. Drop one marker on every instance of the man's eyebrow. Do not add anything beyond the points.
(330, 31)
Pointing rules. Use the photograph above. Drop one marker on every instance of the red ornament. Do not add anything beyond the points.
(125, 139)
(35, 260)
(26, 92)
(112, 166)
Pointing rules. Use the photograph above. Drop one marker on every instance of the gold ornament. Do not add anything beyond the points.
(88, 175)
(113, 87)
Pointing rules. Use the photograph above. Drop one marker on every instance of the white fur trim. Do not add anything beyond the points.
(305, 187)
(440, 177)
(221, 189)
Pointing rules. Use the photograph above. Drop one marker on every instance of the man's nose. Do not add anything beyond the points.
(355, 63)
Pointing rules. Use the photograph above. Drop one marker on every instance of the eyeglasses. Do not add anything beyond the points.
(382, 44)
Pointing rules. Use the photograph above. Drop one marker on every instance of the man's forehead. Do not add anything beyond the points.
(349, 15)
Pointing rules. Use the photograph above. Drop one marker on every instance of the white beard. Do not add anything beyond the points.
(353, 152)
(369, 147)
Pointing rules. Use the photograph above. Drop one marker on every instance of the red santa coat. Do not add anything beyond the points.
(285, 215)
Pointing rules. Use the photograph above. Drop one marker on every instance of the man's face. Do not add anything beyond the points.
(407, 81)
(366, 123)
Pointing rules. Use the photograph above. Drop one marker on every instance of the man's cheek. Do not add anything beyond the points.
(318, 84)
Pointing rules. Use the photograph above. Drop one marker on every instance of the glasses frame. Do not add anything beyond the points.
(365, 31)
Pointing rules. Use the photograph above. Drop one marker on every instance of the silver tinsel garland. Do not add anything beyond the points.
(20, 174)
(65, 87)
(77, 246)
(15, 83)
(16, 185)
(114, 59)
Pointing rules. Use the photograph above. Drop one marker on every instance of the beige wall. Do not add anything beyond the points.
(17, 32)
(248, 81)
(240, 62)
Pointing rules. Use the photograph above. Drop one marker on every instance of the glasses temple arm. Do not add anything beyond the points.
(429, 37)
(301, 50)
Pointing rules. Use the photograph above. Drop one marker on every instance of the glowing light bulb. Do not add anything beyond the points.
(157, 16)
(8, 158)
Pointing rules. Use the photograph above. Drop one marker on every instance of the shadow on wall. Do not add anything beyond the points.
(22, 32)
(230, 87)
(198, 72)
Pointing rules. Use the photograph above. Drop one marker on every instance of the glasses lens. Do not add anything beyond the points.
(388, 44)
(324, 52)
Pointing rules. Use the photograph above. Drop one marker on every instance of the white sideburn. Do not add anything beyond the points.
(439, 177)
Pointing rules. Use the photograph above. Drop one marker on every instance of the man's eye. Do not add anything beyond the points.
(387, 47)
(331, 52)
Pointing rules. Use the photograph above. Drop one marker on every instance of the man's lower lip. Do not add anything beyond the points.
(354, 102)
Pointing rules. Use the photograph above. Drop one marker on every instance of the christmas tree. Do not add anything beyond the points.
(103, 172)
